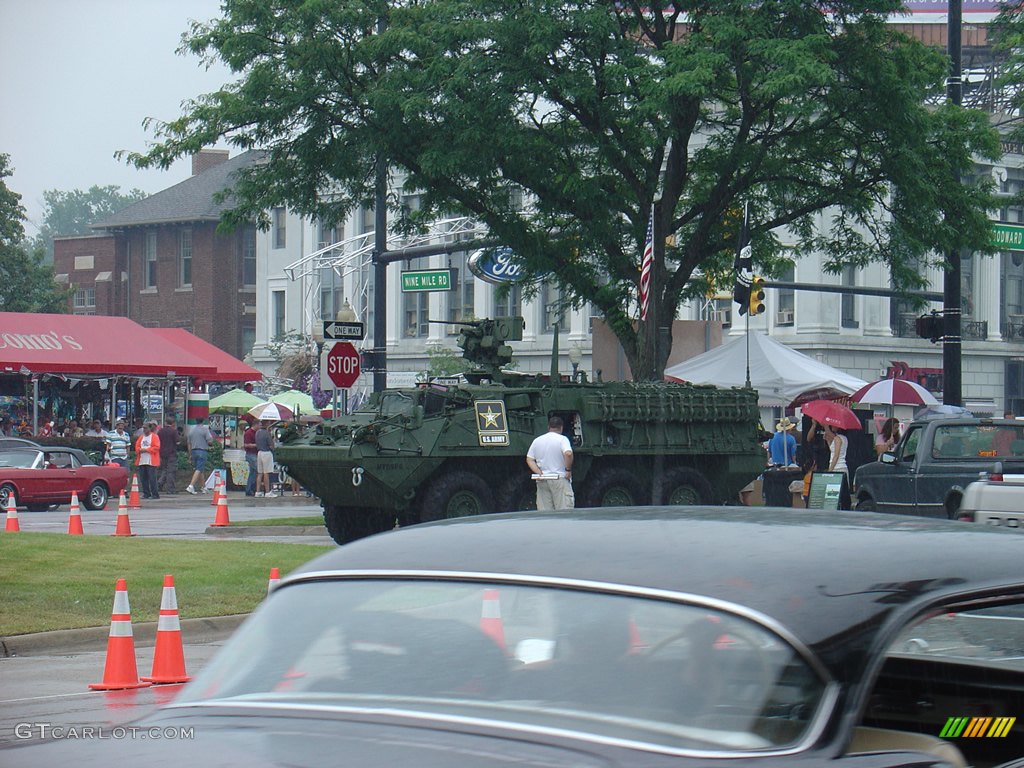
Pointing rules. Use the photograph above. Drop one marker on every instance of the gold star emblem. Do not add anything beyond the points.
(490, 418)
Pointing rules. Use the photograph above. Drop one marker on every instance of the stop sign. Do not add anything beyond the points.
(343, 364)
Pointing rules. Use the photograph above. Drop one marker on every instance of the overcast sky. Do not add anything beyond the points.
(77, 79)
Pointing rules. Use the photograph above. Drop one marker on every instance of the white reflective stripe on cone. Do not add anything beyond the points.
(169, 600)
(121, 603)
(168, 623)
(120, 628)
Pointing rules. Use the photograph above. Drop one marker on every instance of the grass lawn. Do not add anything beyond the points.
(53, 581)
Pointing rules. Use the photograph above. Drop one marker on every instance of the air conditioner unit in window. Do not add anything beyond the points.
(784, 317)
(723, 316)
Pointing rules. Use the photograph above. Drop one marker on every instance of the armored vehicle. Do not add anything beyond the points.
(458, 448)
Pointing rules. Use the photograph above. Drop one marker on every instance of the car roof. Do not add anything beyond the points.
(829, 577)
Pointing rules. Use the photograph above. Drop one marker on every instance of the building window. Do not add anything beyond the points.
(508, 301)
(249, 255)
(967, 286)
(185, 258)
(416, 313)
(248, 339)
(85, 301)
(554, 309)
(785, 313)
(149, 261)
(331, 294)
(848, 310)
(1013, 289)
(461, 303)
(277, 305)
(329, 234)
(278, 227)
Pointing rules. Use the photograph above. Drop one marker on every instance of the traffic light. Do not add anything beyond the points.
(930, 327)
(757, 295)
(741, 295)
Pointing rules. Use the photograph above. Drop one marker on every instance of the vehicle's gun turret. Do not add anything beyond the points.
(483, 342)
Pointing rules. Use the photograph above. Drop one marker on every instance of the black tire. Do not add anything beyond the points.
(866, 504)
(518, 492)
(615, 487)
(685, 487)
(346, 524)
(953, 506)
(96, 497)
(5, 493)
(456, 494)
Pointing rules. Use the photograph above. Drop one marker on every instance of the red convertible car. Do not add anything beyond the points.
(41, 477)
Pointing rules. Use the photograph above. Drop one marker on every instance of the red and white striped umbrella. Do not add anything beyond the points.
(894, 392)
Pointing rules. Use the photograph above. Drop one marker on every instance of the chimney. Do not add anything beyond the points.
(205, 159)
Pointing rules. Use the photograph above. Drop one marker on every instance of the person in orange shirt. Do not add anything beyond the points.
(147, 458)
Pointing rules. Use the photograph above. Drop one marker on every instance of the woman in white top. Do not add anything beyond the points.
(838, 443)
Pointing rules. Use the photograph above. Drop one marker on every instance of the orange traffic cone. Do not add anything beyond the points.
(120, 670)
(12, 514)
(217, 491)
(275, 579)
(221, 518)
(124, 525)
(133, 498)
(169, 655)
(75, 518)
(490, 618)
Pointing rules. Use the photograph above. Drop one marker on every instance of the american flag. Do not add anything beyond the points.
(646, 266)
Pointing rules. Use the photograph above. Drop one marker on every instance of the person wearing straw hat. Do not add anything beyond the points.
(782, 446)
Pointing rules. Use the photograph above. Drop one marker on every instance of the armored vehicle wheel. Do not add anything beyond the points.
(615, 487)
(456, 494)
(517, 493)
(347, 524)
(684, 486)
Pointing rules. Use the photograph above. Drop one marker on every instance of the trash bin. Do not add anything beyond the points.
(776, 486)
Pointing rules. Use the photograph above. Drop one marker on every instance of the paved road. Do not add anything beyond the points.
(185, 516)
(39, 692)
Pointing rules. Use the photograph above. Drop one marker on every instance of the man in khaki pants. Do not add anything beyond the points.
(551, 454)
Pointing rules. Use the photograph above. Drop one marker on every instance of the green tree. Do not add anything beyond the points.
(812, 112)
(26, 283)
(71, 213)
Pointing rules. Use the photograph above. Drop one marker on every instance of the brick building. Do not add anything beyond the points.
(161, 262)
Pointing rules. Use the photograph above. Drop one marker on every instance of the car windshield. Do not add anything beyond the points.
(664, 675)
(17, 458)
(979, 441)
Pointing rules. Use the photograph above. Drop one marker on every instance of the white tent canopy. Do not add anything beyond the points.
(782, 376)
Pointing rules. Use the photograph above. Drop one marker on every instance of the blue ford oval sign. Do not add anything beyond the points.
(495, 265)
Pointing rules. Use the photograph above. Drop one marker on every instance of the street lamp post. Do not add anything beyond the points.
(575, 357)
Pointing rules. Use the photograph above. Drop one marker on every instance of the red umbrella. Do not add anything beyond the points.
(831, 412)
(894, 392)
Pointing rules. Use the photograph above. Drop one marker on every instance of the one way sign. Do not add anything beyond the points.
(335, 330)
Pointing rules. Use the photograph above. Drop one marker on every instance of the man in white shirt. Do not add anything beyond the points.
(551, 454)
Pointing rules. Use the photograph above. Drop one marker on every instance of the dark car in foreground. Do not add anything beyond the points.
(614, 637)
(43, 476)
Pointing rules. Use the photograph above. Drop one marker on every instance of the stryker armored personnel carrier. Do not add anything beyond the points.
(452, 449)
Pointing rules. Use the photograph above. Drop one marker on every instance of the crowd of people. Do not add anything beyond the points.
(155, 451)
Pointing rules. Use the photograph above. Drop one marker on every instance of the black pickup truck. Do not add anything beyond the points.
(934, 461)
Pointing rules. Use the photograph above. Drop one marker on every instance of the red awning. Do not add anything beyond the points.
(226, 368)
(92, 344)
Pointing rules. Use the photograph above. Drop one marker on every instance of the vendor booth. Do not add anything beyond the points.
(783, 377)
(97, 367)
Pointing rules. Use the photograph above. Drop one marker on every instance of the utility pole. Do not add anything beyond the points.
(952, 358)
(380, 279)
